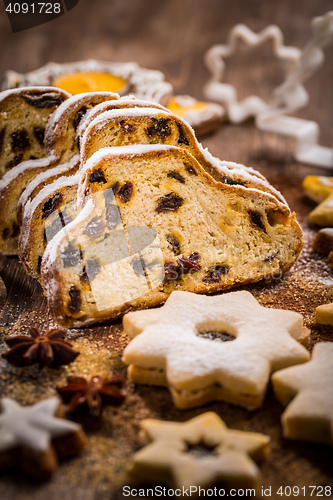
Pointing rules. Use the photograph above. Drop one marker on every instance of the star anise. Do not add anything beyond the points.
(89, 397)
(49, 349)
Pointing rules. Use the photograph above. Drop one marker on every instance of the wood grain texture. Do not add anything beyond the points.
(173, 36)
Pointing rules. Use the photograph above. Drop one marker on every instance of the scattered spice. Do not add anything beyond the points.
(89, 397)
(49, 349)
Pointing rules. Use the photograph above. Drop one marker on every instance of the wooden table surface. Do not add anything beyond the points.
(173, 36)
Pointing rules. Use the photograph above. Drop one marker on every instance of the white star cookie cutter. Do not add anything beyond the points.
(309, 415)
(198, 453)
(174, 346)
(238, 111)
(287, 98)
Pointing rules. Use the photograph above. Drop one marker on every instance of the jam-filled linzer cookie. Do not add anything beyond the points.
(32, 438)
(96, 76)
(212, 348)
(308, 392)
(199, 453)
(204, 117)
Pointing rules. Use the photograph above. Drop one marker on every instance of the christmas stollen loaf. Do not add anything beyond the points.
(152, 221)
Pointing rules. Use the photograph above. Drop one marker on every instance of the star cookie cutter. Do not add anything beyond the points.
(286, 98)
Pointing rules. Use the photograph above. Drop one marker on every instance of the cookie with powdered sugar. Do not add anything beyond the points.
(212, 348)
(33, 438)
(204, 117)
(90, 75)
(308, 394)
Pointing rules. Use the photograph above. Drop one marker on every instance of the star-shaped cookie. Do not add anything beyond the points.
(320, 189)
(179, 347)
(309, 416)
(324, 314)
(198, 453)
(31, 437)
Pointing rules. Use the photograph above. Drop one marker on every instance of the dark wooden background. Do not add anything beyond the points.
(173, 36)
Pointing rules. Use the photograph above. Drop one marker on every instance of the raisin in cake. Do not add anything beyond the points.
(61, 146)
(154, 222)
